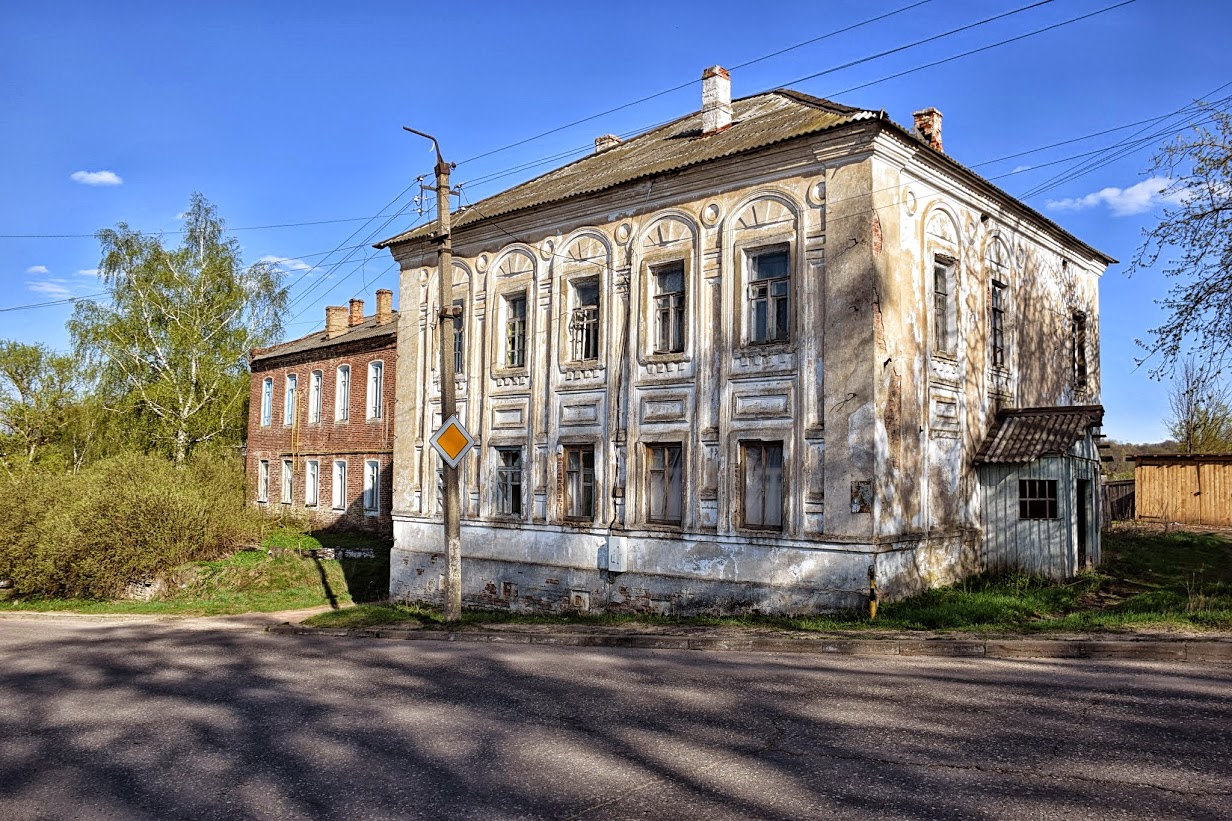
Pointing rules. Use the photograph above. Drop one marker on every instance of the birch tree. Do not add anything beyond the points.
(170, 341)
(37, 390)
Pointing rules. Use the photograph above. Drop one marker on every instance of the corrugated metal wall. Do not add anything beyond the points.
(1047, 547)
(1190, 492)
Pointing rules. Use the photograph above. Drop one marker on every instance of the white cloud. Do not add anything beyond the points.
(286, 263)
(1018, 169)
(88, 272)
(96, 177)
(37, 269)
(1124, 202)
(51, 287)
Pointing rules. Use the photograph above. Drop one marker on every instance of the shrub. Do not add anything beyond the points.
(122, 519)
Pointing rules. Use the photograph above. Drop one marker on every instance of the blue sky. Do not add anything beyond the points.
(292, 113)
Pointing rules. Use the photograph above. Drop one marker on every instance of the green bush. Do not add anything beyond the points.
(123, 519)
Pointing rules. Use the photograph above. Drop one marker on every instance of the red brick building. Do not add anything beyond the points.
(320, 420)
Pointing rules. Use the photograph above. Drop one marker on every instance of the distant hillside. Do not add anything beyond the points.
(1120, 468)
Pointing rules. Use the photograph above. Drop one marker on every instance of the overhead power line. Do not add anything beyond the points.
(65, 301)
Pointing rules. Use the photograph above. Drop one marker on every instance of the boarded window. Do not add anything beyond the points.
(763, 485)
(664, 482)
(1037, 498)
(580, 482)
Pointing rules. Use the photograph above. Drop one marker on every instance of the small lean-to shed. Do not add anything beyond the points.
(1188, 488)
(1039, 475)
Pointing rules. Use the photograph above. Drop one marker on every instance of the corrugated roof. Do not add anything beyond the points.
(368, 329)
(1026, 434)
(757, 121)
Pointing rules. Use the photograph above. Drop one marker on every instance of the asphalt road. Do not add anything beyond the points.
(155, 721)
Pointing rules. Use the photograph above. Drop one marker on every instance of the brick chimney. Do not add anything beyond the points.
(335, 321)
(716, 99)
(357, 312)
(384, 306)
(928, 126)
(605, 142)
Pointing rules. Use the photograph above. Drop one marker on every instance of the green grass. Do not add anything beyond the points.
(277, 577)
(1149, 580)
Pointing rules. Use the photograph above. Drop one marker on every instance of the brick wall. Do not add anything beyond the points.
(356, 440)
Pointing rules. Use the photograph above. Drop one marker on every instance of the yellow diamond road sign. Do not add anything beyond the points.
(452, 441)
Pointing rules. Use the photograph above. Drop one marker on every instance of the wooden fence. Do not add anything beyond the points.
(1118, 500)
(1188, 488)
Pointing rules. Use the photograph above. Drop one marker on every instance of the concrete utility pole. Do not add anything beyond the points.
(445, 318)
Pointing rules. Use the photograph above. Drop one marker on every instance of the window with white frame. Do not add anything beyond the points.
(372, 487)
(996, 334)
(509, 481)
(515, 330)
(340, 484)
(584, 320)
(312, 482)
(1078, 350)
(314, 397)
(263, 481)
(267, 401)
(664, 482)
(579, 500)
(288, 400)
(288, 481)
(342, 394)
(376, 383)
(945, 308)
(669, 307)
(763, 485)
(769, 276)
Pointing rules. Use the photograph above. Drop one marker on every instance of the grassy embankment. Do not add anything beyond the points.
(1149, 580)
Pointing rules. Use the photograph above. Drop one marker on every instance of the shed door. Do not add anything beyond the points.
(1084, 520)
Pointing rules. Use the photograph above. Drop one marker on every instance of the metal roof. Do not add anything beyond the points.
(368, 329)
(1026, 434)
(757, 121)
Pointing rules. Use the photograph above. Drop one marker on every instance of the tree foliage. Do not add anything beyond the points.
(38, 389)
(169, 345)
(1193, 241)
(1201, 410)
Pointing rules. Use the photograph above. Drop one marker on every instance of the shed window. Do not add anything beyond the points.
(1037, 498)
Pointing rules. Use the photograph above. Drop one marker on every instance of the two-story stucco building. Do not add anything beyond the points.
(740, 362)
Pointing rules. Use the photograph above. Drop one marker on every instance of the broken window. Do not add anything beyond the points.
(312, 482)
(372, 487)
(1037, 498)
(1078, 350)
(459, 338)
(580, 482)
(340, 484)
(584, 320)
(664, 482)
(288, 409)
(342, 394)
(509, 481)
(263, 481)
(267, 401)
(997, 320)
(769, 295)
(288, 481)
(376, 384)
(945, 320)
(763, 484)
(314, 397)
(515, 331)
(669, 304)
